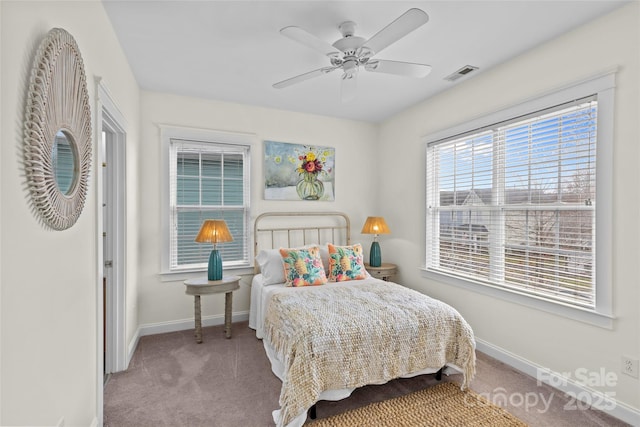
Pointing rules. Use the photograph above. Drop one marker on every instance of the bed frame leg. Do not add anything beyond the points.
(439, 374)
(312, 412)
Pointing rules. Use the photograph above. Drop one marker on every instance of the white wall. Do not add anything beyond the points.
(48, 289)
(162, 302)
(1, 204)
(48, 294)
(558, 343)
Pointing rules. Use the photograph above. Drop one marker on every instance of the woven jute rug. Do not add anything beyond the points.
(443, 405)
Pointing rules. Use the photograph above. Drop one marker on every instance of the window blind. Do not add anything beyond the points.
(208, 181)
(513, 205)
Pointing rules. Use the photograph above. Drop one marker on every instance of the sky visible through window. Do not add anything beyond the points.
(543, 153)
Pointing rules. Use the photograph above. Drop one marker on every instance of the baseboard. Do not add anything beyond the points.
(179, 325)
(569, 386)
(132, 346)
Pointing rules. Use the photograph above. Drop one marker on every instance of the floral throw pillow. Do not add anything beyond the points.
(303, 267)
(346, 263)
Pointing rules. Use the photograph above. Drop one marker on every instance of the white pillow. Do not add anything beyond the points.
(324, 255)
(271, 266)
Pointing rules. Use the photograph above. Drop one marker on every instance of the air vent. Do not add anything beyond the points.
(460, 73)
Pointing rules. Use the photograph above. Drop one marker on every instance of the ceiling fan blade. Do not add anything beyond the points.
(303, 77)
(407, 22)
(307, 39)
(348, 87)
(408, 69)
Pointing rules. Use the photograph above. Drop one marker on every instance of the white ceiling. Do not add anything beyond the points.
(233, 51)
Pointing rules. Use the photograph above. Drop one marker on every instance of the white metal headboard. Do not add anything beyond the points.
(292, 229)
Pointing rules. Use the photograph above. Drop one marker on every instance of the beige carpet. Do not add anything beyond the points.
(174, 382)
(443, 405)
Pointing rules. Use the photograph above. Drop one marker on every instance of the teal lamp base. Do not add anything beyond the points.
(215, 266)
(375, 257)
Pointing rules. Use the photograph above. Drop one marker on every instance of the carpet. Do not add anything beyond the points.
(443, 405)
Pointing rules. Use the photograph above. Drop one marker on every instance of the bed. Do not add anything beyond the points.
(325, 341)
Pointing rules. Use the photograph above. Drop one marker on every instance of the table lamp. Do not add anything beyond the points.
(214, 231)
(375, 225)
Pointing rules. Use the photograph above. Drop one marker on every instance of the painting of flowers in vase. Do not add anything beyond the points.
(298, 172)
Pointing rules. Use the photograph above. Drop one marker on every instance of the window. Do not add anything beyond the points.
(208, 179)
(512, 204)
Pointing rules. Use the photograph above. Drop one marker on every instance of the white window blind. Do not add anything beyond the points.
(512, 205)
(208, 181)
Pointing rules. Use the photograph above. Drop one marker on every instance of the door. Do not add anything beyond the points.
(107, 247)
(113, 169)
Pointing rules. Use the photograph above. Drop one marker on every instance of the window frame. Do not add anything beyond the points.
(169, 133)
(603, 87)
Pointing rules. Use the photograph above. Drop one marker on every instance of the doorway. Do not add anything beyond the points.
(111, 345)
(113, 243)
(111, 225)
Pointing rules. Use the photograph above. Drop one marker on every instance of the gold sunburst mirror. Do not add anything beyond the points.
(57, 131)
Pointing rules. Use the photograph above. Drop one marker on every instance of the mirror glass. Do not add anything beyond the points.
(64, 162)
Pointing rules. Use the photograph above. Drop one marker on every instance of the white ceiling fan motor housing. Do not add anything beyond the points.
(349, 43)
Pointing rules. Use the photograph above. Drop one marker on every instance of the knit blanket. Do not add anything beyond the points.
(347, 336)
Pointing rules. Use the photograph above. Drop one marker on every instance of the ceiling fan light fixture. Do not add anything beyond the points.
(350, 66)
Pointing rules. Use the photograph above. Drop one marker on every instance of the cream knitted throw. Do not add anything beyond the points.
(336, 337)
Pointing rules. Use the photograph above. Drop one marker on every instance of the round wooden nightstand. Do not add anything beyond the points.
(202, 286)
(386, 271)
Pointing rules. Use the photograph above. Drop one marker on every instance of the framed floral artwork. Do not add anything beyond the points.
(298, 172)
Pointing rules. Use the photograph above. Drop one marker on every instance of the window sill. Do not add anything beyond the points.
(178, 276)
(591, 317)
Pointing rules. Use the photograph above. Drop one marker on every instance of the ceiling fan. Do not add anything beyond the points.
(352, 52)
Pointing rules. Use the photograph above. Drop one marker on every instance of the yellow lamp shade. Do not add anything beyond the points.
(375, 225)
(214, 231)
